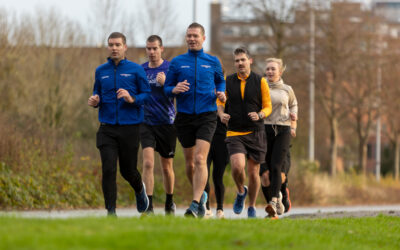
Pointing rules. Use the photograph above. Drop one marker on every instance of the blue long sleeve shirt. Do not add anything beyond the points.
(204, 73)
(126, 75)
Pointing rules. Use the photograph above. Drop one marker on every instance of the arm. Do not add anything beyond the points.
(293, 107)
(170, 80)
(266, 100)
(293, 127)
(143, 86)
(94, 100)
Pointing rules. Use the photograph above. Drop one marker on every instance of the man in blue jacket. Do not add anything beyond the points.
(120, 89)
(195, 79)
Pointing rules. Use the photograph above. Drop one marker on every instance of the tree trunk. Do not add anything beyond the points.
(396, 158)
(362, 157)
(333, 146)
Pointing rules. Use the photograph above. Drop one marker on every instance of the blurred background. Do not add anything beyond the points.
(342, 62)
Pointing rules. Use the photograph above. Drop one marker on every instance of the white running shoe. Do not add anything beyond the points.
(280, 208)
(220, 214)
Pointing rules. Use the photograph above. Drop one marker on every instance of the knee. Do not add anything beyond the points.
(148, 165)
(265, 179)
(200, 159)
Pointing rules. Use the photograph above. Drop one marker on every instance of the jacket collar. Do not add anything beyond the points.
(196, 52)
(110, 61)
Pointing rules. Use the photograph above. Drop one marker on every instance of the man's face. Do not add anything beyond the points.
(154, 51)
(117, 49)
(242, 64)
(195, 39)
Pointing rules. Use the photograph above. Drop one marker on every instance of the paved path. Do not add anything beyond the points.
(296, 212)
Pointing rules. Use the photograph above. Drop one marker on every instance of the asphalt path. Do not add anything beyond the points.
(295, 212)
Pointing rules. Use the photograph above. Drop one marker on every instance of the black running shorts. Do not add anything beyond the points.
(160, 137)
(253, 145)
(190, 127)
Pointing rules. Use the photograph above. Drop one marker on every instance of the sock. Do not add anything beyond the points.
(169, 199)
(267, 193)
(150, 202)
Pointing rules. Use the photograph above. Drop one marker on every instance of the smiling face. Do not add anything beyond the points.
(117, 49)
(195, 38)
(273, 72)
(242, 64)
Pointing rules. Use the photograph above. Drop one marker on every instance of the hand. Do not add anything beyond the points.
(293, 132)
(94, 100)
(160, 78)
(293, 116)
(254, 116)
(123, 93)
(181, 87)
(221, 96)
(224, 117)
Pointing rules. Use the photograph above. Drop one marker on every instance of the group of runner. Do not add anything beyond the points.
(246, 116)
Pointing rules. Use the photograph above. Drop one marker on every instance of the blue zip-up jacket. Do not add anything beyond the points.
(204, 73)
(126, 75)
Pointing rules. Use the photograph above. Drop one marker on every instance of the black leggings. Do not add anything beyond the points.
(218, 155)
(118, 142)
(278, 141)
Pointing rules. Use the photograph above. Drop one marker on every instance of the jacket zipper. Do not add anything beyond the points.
(195, 83)
(116, 98)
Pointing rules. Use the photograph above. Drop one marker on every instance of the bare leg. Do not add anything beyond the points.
(148, 169)
(168, 174)
(189, 161)
(200, 168)
(238, 163)
(253, 169)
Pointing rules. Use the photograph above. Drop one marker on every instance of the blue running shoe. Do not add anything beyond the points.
(193, 210)
(238, 206)
(142, 201)
(251, 212)
(202, 204)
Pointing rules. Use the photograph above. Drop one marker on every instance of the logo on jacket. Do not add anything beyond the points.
(205, 66)
(105, 77)
(185, 66)
(125, 75)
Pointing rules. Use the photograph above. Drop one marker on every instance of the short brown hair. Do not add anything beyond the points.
(154, 38)
(117, 35)
(242, 50)
(199, 26)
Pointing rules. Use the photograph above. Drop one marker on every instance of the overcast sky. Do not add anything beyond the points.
(80, 10)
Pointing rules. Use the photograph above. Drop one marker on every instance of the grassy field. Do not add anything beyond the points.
(158, 232)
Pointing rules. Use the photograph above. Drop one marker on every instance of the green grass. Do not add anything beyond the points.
(382, 232)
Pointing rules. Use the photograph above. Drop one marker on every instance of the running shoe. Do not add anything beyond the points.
(202, 205)
(193, 210)
(239, 205)
(142, 201)
(271, 209)
(170, 209)
(251, 212)
(220, 214)
(111, 213)
(208, 214)
(280, 208)
(286, 200)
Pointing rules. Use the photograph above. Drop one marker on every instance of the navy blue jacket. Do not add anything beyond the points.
(126, 75)
(204, 73)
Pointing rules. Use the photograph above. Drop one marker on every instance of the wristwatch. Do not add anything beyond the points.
(260, 115)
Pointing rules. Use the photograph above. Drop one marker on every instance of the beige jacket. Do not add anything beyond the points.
(284, 103)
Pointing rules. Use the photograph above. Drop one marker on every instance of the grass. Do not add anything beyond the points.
(160, 232)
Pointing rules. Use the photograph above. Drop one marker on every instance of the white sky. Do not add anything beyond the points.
(80, 10)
